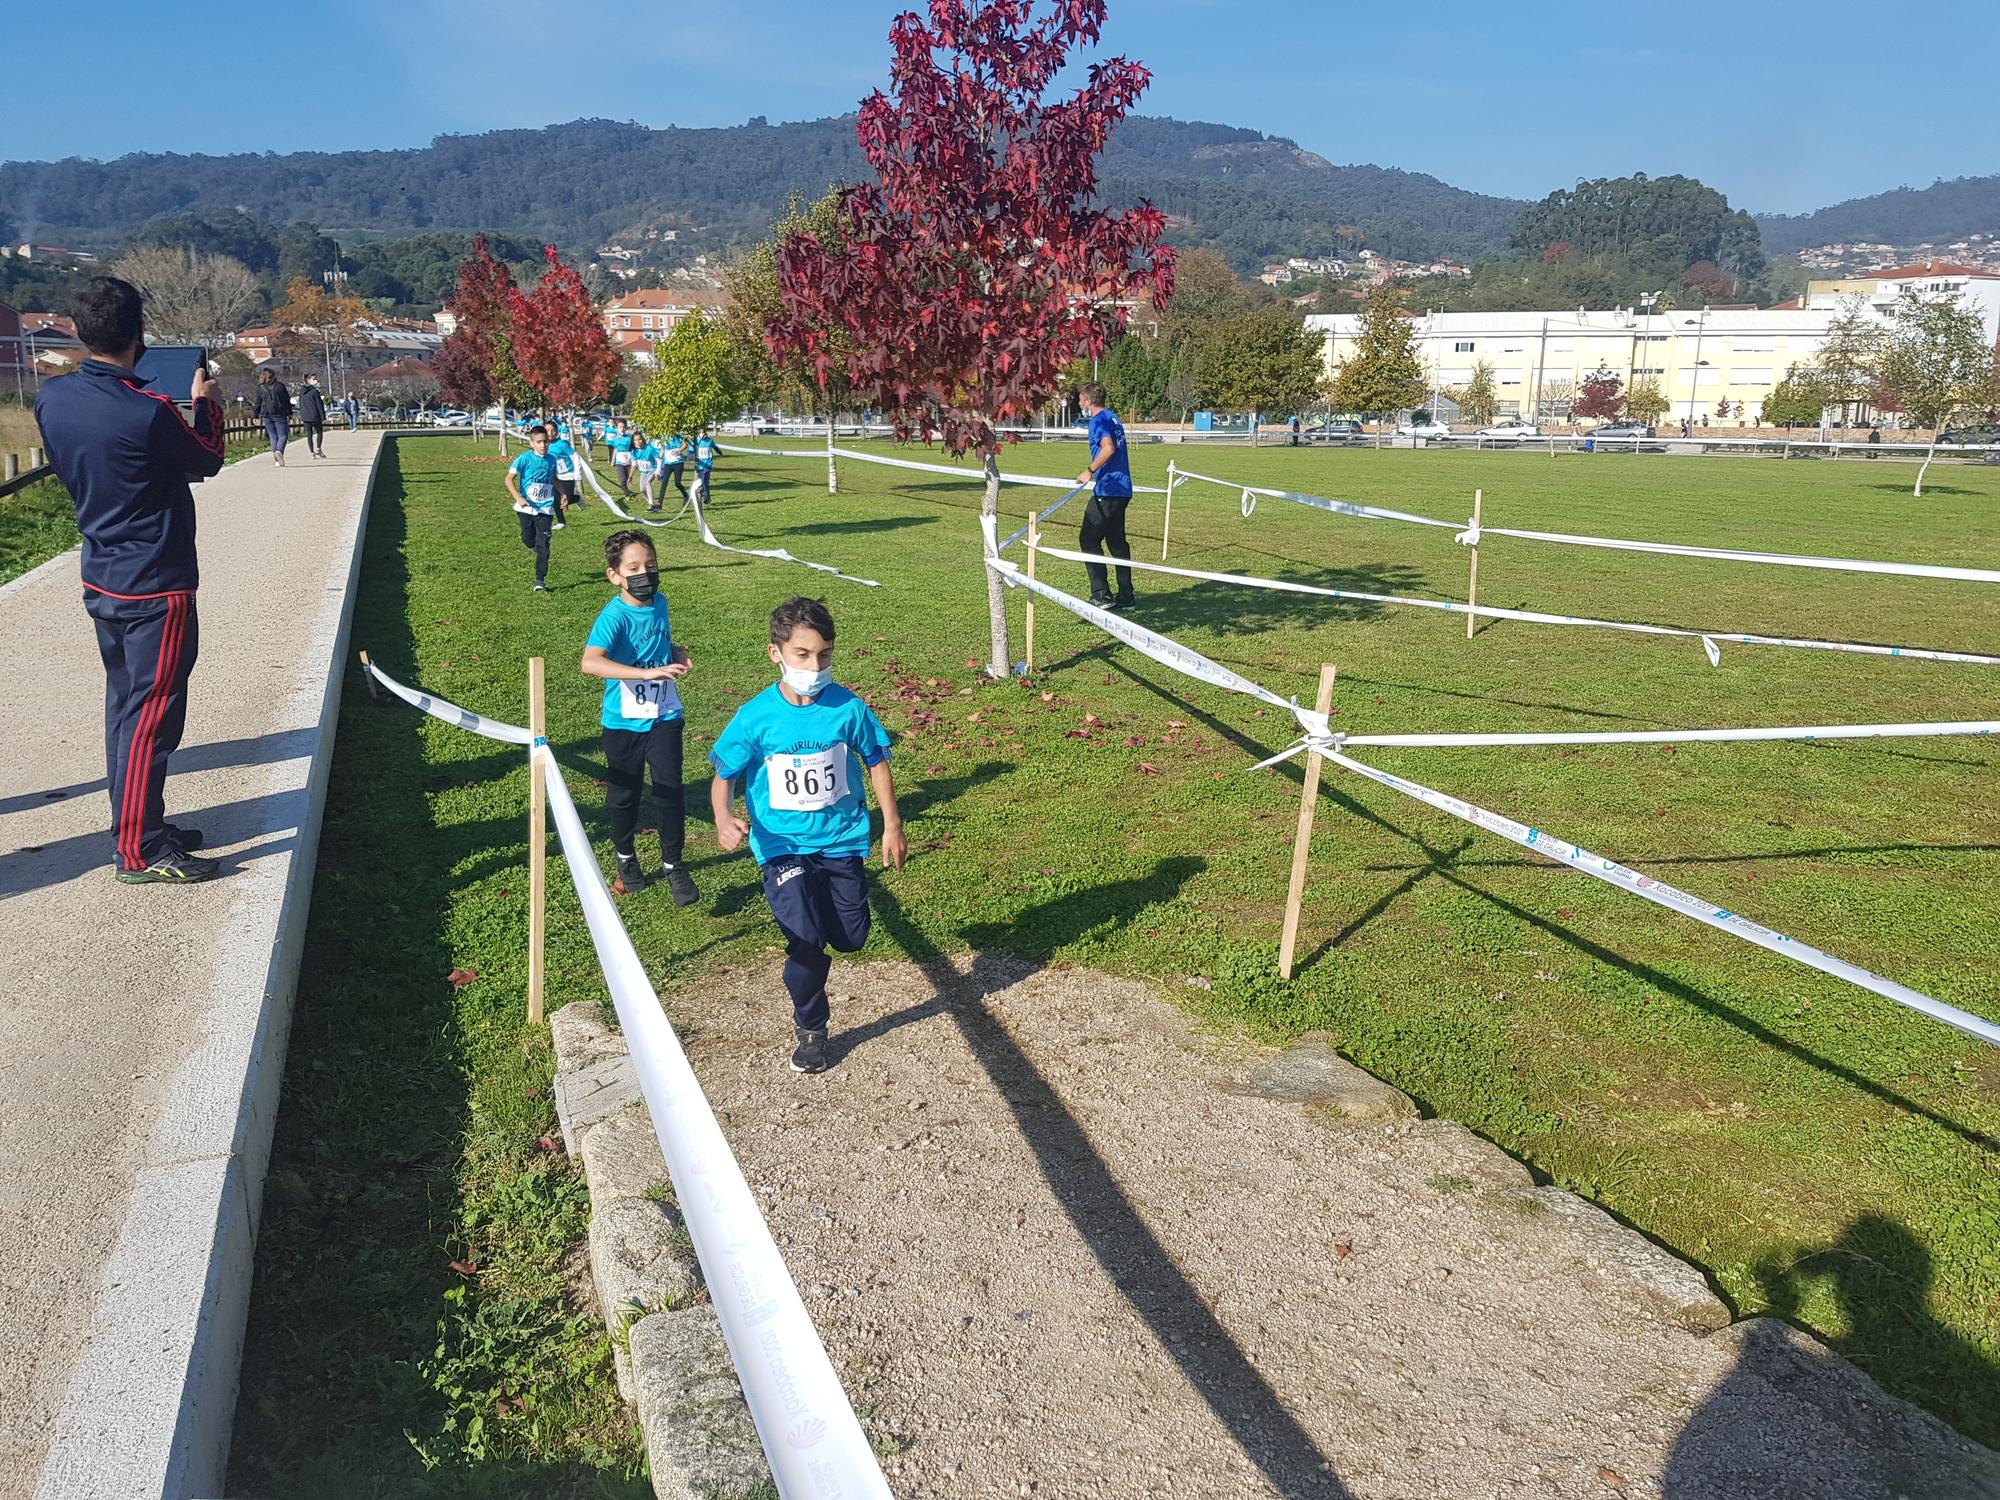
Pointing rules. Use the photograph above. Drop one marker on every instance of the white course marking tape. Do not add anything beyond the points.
(1471, 535)
(1675, 899)
(1708, 638)
(815, 1446)
(1038, 481)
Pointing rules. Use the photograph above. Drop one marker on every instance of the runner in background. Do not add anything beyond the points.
(620, 444)
(531, 484)
(646, 463)
(673, 463)
(567, 494)
(704, 463)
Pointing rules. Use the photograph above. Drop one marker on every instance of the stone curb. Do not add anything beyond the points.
(666, 1344)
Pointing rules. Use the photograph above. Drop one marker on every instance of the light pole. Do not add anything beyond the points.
(1646, 301)
(1700, 326)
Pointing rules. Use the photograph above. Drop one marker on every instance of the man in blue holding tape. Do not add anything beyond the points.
(125, 454)
(1110, 479)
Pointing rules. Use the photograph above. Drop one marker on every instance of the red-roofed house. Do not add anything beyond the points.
(1882, 290)
(638, 320)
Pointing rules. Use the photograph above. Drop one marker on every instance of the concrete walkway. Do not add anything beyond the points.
(142, 1028)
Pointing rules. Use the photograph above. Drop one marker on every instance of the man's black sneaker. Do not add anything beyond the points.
(630, 879)
(173, 866)
(1104, 601)
(189, 839)
(810, 1055)
(1124, 601)
(681, 884)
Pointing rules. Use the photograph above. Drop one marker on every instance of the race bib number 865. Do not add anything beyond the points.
(806, 783)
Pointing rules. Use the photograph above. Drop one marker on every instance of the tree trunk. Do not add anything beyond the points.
(1924, 467)
(832, 474)
(1000, 666)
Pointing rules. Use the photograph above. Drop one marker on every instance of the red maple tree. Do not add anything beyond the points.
(463, 364)
(559, 344)
(1600, 397)
(976, 266)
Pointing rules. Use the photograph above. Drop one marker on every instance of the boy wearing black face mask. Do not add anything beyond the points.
(631, 647)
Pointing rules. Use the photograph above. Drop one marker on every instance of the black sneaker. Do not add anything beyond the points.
(189, 839)
(1124, 601)
(630, 879)
(174, 866)
(1102, 602)
(810, 1055)
(681, 884)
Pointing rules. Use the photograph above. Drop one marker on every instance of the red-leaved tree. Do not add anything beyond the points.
(559, 344)
(976, 267)
(473, 366)
(1600, 397)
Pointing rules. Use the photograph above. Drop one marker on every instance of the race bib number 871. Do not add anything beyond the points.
(806, 783)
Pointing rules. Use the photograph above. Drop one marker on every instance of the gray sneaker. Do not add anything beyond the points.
(630, 879)
(810, 1055)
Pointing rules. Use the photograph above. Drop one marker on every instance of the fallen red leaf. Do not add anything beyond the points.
(545, 1143)
(1092, 720)
(1133, 742)
(1611, 1477)
(1342, 1250)
(1147, 768)
(1175, 724)
(972, 664)
(458, 979)
(466, 1267)
(932, 770)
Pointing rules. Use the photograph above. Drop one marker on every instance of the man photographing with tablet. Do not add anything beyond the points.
(125, 453)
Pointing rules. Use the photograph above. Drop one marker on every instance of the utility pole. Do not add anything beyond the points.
(1694, 375)
(1541, 356)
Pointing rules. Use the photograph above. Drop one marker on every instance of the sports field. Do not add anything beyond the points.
(1822, 1153)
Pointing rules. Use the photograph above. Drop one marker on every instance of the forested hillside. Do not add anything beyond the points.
(1938, 214)
(1251, 196)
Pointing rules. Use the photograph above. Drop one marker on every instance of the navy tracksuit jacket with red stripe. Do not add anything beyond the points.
(124, 454)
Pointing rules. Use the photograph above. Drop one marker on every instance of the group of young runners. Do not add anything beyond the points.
(799, 752)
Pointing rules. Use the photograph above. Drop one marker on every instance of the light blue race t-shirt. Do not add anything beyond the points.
(704, 454)
(535, 474)
(636, 637)
(674, 450)
(565, 458)
(619, 443)
(801, 766)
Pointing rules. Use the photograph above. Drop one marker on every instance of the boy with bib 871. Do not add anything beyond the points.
(631, 646)
(800, 747)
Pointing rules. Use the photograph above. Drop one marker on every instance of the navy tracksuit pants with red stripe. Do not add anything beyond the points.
(148, 646)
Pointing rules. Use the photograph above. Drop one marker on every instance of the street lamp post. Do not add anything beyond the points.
(1646, 301)
(1700, 325)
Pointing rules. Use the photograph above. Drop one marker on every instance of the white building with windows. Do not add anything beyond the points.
(1701, 358)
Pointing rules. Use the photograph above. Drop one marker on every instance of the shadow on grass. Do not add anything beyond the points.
(1080, 1180)
(879, 523)
(363, 1208)
(1881, 1280)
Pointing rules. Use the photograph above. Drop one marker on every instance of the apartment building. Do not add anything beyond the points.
(1880, 291)
(638, 320)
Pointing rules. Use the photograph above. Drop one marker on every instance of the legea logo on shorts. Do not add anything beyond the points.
(805, 1434)
(790, 872)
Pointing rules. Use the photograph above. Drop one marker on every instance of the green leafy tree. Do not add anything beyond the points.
(1798, 400)
(1846, 361)
(1479, 397)
(1265, 361)
(1646, 402)
(1186, 390)
(1206, 295)
(1384, 375)
(697, 383)
(1135, 380)
(755, 303)
(1935, 365)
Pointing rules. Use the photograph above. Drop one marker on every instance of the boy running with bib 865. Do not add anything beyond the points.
(800, 746)
(631, 646)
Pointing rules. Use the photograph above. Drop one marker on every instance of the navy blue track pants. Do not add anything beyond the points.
(820, 902)
(149, 647)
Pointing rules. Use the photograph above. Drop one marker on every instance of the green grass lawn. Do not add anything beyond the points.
(1821, 1152)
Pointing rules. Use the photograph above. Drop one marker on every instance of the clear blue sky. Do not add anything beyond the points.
(1783, 107)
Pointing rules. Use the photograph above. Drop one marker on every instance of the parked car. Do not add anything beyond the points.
(1512, 427)
(1339, 431)
(1423, 425)
(1983, 435)
(1623, 430)
(451, 419)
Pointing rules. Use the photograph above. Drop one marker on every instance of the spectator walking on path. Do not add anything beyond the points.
(1110, 479)
(351, 409)
(312, 416)
(125, 454)
(274, 408)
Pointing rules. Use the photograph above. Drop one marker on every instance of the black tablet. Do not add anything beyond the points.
(170, 369)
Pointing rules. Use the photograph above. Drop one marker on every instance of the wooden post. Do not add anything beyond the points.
(537, 843)
(10, 469)
(1308, 801)
(369, 678)
(1034, 540)
(1472, 583)
(1167, 526)
(832, 474)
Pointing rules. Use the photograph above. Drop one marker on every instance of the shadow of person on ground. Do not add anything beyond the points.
(1080, 1180)
(1747, 1441)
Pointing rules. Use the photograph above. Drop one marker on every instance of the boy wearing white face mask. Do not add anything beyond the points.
(631, 646)
(800, 747)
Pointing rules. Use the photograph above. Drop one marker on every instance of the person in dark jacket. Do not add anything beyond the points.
(125, 454)
(274, 406)
(312, 416)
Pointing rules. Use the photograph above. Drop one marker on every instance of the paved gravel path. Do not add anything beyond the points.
(108, 987)
(1060, 1244)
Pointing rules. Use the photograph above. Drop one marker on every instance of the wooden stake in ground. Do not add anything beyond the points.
(1034, 540)
(1472, 583)
(1308, 802)
(1167, 525)
(537, 843)
(369, 678)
